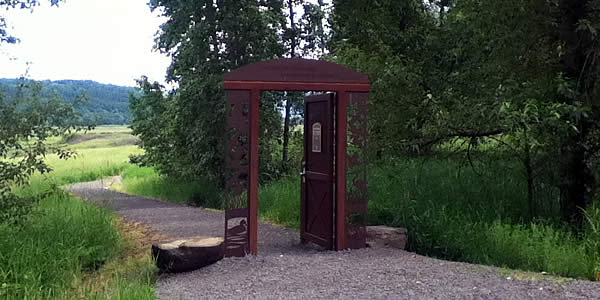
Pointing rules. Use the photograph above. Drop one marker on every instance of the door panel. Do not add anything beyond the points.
(318, 199)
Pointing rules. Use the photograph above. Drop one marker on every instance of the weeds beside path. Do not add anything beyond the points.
(129, 276)
(63, 248)
(285, 269)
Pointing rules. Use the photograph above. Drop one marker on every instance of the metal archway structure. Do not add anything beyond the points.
(244, 87)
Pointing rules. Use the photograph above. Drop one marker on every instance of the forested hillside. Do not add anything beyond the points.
(102, 104)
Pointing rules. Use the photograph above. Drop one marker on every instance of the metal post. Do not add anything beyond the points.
(253, 186)
(341, 136)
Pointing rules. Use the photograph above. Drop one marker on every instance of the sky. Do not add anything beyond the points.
(109, 41)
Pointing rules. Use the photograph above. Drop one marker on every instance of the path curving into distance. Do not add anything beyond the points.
(283, 269)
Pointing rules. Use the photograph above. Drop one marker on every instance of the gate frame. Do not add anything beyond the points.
(298, 74)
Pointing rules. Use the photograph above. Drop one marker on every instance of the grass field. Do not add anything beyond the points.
(53, 251)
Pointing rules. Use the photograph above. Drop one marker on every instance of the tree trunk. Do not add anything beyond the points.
(577, 178)
(293, 27)
(286, 133)
(578, 182)
(288, 102)
(530, 180)
(188, 255)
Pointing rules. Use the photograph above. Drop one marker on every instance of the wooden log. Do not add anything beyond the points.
(188, 254)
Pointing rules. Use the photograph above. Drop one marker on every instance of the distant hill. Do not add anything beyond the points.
(108, 104)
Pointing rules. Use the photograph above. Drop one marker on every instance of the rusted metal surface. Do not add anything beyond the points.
(254, 126)
(340, 169)
(238, 166)
(244, 86)
(302, 197)
(296, 86)
(356, 174)
(297, 70)
(236, 232)
(318, 203)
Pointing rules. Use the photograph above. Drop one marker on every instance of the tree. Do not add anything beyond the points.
(577, 36)
(27, 120)
(522, 74)
(5, 36)
(303, 36)
(26, 123)
(290, 36)
(394, 43)
(205, 39)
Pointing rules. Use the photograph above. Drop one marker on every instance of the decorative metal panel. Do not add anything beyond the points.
(238, 170)
(356, 174)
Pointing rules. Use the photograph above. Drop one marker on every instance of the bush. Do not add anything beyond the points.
(14, 209)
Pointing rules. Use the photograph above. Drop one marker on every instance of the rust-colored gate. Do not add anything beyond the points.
(344, 181)
(317, 217)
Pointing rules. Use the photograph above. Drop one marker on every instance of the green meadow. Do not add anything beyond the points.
(53, 251)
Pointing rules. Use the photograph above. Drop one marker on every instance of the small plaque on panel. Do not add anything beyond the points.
(316, 137)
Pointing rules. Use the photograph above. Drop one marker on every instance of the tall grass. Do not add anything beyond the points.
(280, 202)
(148, 183)
(89, 164)
(455, 212)
(62, 238)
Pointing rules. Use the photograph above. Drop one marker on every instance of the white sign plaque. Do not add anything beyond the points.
(316, 137)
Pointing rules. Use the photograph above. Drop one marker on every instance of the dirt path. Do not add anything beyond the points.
(286, 270)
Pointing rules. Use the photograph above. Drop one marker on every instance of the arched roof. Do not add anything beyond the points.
(297, 70)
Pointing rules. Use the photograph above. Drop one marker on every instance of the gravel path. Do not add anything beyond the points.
(285, 269)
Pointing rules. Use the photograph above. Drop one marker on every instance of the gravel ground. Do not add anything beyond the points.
(285, 269)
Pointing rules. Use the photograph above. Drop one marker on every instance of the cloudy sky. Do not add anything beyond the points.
(109, 41)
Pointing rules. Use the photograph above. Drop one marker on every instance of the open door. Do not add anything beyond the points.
(318, 217)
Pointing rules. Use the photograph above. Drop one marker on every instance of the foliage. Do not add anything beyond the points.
(520, 73)
(98, 103)
(205, 39)
(5, 36)
(56, 250)
(27, 121)
(62, 241)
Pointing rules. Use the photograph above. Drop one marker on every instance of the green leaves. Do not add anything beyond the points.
(468, 69)
(26, 123)
(183, 131)
(5, 36)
